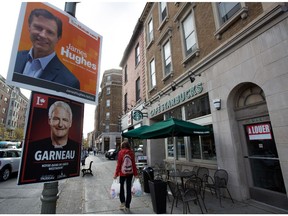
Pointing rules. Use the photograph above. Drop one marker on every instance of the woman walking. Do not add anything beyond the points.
(125, 169)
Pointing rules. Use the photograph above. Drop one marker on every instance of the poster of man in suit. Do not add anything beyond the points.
(52, 146)
(54, 53)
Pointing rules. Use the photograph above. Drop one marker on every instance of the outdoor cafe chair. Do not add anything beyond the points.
(190, 195)
(196, 183)
(175, 192)
(220, 181)
(202, 173)
(186, 196)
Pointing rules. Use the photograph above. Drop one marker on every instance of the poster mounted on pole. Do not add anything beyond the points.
(53, 138)
(54, 53)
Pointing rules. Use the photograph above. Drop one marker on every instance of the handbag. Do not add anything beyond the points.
(136, 188)
(115, 189)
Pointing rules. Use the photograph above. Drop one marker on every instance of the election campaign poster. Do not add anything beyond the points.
(53, 137)
(54, 53)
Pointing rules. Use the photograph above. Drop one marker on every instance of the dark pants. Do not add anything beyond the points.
(128, 180)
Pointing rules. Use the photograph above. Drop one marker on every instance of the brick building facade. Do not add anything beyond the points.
(201, 54)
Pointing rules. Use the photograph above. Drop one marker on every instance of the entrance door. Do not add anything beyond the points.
(266, 180)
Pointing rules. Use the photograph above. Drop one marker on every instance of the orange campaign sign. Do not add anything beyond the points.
(54, 53)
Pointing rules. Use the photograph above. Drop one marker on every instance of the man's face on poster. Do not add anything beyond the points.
(60, 122)
(43, 35)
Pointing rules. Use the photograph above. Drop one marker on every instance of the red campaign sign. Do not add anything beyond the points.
(53, 137)
(259, 131)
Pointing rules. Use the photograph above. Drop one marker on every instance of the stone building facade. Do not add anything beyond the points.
(222, 65)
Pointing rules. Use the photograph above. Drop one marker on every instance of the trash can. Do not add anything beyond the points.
(148, 174)
(158, 191)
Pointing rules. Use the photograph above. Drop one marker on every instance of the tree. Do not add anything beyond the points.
(18, 134)
(85, 143)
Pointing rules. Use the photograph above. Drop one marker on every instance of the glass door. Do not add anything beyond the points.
(263, 157)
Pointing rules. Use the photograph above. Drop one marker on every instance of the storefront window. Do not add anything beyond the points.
(203, 147)
(170, 147)
(198, 107)
(180, 147)
(175, 113)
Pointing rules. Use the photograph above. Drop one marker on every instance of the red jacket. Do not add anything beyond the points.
(121, 154)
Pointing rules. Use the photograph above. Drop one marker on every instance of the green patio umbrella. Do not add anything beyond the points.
(135, 133)
(173, 128)
(168, 128)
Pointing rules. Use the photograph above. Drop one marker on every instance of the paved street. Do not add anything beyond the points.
(90, 195)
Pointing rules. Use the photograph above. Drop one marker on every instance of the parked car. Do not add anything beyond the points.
(10, 144)
(9, 162)
(111, 154)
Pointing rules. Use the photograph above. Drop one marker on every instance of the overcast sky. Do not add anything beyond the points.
(113, 20)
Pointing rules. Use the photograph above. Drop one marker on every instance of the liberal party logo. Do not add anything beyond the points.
(40, 101)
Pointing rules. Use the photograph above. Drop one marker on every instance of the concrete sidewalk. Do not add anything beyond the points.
(91, 195)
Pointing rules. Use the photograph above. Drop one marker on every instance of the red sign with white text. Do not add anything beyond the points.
(259, 131)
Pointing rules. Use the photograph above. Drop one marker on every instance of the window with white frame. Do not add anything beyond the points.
(227, 9)
(137, 55)
(152, 74)
(107, 128)
(226, 14)
(107, 115)
(108, 91)
(108, 103)
(163, 11)
(167, 58)
(189, 34)
(108, 78)
(150, 30)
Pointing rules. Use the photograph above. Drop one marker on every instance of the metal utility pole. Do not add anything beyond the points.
(49, 198)
(70, 7)
(50, 193)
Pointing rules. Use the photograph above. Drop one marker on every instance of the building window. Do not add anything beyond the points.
(137, 87)
(108, 103)
(167, 58)
(163, 11)
(107, 115)
(227, 10)
(107, 128)
(150, 31)
(125, 102)
(125, 74)
(198, 107)
(189, 34)
(108, 91)
(108, 78)
(203, 147)
(226, 14)
(152, 74)
(137, 55)
(180, 147)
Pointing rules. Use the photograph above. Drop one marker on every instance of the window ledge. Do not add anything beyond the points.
(167, 76)
(150, 44)
(163, 23)
(196, 53)
(242, 13)
(152, 89)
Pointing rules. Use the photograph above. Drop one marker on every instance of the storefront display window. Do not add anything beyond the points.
(198, 107)
(203, 147)
(180, 147)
